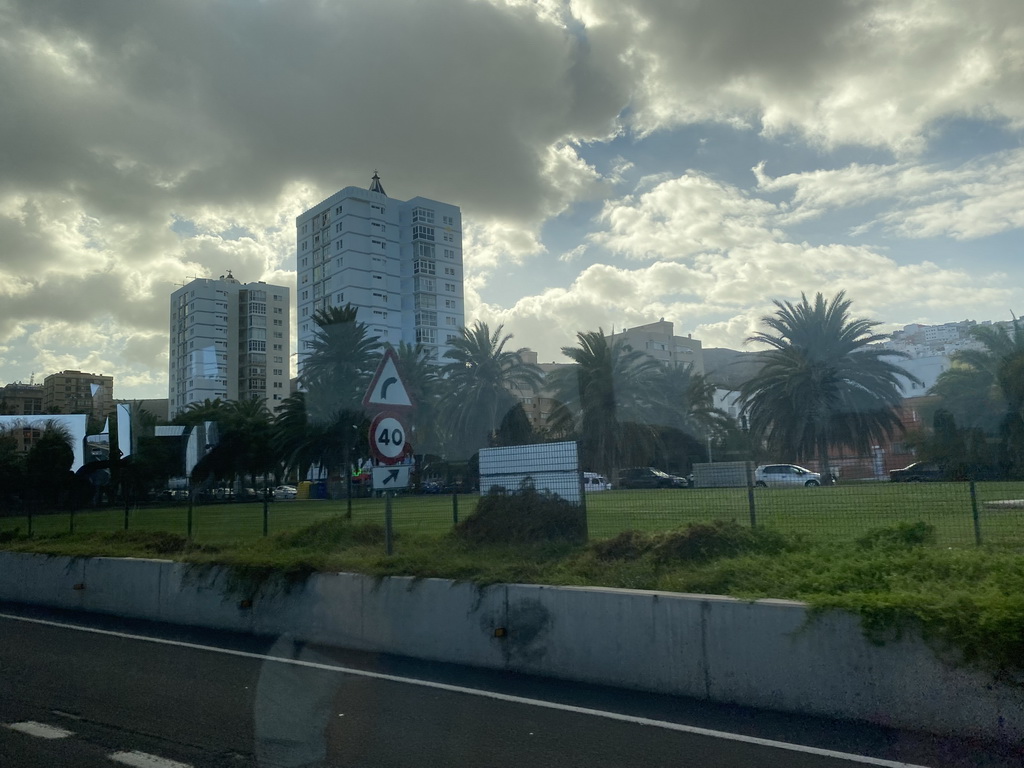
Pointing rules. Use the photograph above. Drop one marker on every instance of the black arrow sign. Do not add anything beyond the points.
(392, 475)
(384, 387)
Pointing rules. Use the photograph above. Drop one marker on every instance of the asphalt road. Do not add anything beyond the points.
(80, 690)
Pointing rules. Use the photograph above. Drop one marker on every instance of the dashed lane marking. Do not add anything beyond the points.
(40, 730)
(540, 703)
(138, 759)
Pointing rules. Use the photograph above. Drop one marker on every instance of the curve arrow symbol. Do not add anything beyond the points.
(384, 387)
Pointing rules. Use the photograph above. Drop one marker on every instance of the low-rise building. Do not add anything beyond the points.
(78, 392)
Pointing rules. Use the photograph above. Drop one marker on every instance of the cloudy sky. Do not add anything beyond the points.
(616, 161)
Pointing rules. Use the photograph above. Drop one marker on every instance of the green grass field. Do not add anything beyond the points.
(841, 513)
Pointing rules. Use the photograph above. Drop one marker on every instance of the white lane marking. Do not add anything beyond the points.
(42, 730)
(145, 760)
(669, 726)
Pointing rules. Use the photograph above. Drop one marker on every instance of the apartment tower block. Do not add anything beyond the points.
(398, 262)
(228, 340)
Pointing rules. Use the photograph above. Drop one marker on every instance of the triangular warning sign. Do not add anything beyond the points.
(387, 389)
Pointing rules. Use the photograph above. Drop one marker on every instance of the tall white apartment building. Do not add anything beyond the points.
(228, 340)
(399, 263)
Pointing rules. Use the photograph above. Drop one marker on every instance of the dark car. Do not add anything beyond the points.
(649, 477)
(918, 472)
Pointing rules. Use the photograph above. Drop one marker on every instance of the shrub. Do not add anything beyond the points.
(333, 533)
(902, 535)
(525, 516)
(698, 542)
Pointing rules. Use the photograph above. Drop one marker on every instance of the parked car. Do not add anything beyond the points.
(285, 492)
(785, 475)
(649, 477)
(918, 472)
(595, 482)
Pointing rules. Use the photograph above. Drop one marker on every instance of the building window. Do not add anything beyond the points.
(420, 232)
(425, 301)
(424, 284)
(278, 335)
(423, 267)
(448, 237)
(337, 210)
(278, 311)
(425, 250)
(426, 336)
(278, 347)
(450, 287)
(422, 214)
(279, 372)
(450, 271)
(449, 253)
(448, 221)
(337, 227)
(450, 320)
(449, 303)
(426, 318)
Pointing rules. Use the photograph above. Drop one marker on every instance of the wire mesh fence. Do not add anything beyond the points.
(962, 513)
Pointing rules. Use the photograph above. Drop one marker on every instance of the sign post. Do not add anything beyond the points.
(389, 432)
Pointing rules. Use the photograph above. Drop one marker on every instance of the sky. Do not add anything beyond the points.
(616, 161)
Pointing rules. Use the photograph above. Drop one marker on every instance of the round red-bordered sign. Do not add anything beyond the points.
(389, 439)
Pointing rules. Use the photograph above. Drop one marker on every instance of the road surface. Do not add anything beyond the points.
(84, 690)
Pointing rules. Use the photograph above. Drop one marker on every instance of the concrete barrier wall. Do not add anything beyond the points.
(762, 654)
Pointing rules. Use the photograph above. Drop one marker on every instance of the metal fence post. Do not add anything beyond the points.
(974, 513)
(455, 508)
(750, 495)
(189, 522)
(387, 523)
(30, 520)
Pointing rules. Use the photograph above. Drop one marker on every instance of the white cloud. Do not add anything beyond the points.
(976, 199)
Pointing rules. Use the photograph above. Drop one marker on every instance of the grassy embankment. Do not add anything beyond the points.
(812, 545)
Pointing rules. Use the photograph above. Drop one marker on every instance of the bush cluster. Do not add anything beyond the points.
(697, 542)
(525, 516)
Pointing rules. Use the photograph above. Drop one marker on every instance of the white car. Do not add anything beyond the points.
(785, 475)
(285, 492)
(595, 482)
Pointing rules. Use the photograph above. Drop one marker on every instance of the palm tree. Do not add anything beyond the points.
(340, 360)
(342, 357)
(422, 379)
(480, 381)
(686, 415)
(822, 383)
(609, 400)
(985, 387)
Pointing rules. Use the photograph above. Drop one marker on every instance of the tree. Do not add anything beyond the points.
(48, 464)
(822, 383)
(686, 416)
(342, 357)
(336, 372)
(481, 379)
(984, 390)
(609, 400)
(422, 379)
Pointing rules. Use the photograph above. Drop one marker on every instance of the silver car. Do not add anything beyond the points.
(785, 475)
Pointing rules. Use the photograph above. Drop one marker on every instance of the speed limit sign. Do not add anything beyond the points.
(388, 439)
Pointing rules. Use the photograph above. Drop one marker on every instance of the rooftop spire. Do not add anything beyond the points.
(375, 184)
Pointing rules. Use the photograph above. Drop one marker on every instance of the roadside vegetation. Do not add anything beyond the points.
(968, 600)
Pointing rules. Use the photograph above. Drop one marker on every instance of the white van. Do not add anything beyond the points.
(595, 482)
